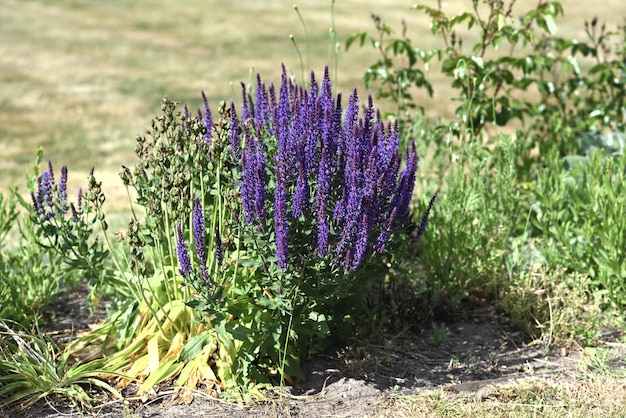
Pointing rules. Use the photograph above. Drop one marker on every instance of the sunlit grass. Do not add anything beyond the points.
(590, 395)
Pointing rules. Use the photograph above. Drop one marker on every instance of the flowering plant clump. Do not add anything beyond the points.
(65, 228)
(339, 175)
(319, 192)
(247, 253)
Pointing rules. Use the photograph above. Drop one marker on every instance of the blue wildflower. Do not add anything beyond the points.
(50, 171)
(344, 173)
(247, 112)
(199, 239)
(235, 141)
(254, 179)
(219, 249)
(183, 255)
(248, 184)
(37, 204)
(47, 185)
(406, 184)
(74, 213)
(383, 236)
(281, 122)
(421, 228)
(321, 202)
(361, 245)
(260, 180)
(62, 190)
(79, 201)
(207, 119)
(262, 112)
(301, 194)
(280, 219)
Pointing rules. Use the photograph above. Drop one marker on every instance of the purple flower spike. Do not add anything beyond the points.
(321, 202)
(183, 254)
(301, 195)
(248, 183)
(235, 141)
(50, 171)
(254, 179)
(361, 243)
(406, 184)
(381, 241)
(37, 203)
(262, 109)
(323, 231)
(219, 249)
(280, 219)
(260, 182)
(79, 202)
(199, 233)
(282, 126)
(47, 186)
(247, 112)
(208, 121)
(62, 191)
(74, 213)
(421, 228)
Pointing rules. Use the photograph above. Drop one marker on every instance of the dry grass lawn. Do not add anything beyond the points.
(83, 78)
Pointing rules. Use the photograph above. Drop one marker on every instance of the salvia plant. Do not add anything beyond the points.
(248, 236)
(321, 191)
(57, 242)
(65, 227)
(340, 177)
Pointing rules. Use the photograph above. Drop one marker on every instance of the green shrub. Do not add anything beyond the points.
(569, 96)
(578, 216)
(560, 89)
(478, 212)
(549, 304)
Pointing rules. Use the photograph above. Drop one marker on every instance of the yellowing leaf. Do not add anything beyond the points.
(176, 346)
(153, 354)
(162, 373)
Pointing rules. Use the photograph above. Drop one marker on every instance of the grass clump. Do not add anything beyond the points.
(33, 368)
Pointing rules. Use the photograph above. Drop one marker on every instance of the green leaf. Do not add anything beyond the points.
(501, 21)
(362, 36)
(449, 65)
(550, 24)
(195, 345)
(478, 61)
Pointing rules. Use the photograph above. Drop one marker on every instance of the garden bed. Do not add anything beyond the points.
(470, 358)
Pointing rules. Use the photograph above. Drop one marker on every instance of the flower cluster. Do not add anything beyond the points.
(421, 227)
(199, 243)
(50, 199)
(342, 173)
(66, 227)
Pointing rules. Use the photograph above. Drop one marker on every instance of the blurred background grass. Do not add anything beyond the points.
(82, 78)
